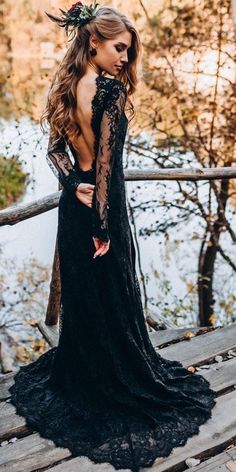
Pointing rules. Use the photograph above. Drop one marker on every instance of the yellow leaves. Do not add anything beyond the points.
(195, 236)
(212, 318)
(25, 355)
(174, 101)
(189, 335)
(32, 322)
(190, 286)
(22, 354)
(39, 346)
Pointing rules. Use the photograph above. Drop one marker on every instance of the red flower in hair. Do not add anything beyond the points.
(75, 7)
(77, 16)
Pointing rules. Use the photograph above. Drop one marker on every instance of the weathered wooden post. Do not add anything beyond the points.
(54, 299)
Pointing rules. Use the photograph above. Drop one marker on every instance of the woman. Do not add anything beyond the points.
(103, 392)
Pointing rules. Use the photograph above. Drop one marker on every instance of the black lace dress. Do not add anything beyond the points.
(104, 392)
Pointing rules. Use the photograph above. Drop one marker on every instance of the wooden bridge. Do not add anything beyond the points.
(209, 351)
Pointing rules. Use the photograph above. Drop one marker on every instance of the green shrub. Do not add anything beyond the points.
(12, 180)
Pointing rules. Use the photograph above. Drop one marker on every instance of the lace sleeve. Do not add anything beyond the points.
(114, 106)
(60, 163)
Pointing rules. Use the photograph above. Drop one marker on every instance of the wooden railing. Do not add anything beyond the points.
(20, 212)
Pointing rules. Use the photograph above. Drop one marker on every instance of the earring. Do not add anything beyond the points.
(93, 52)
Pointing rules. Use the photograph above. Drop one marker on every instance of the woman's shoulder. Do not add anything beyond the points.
(115, 84)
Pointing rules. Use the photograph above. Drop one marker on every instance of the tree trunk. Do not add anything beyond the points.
(207, 260)
(205, 284)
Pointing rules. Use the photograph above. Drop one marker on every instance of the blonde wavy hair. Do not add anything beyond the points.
(60, 108)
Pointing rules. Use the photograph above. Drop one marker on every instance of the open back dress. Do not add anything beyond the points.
(103, 391)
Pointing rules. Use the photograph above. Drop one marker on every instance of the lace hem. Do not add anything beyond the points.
(122, 436)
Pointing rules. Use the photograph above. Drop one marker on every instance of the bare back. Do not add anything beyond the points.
(100, 113)
(84, 146)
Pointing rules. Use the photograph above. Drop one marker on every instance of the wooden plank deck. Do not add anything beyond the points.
(214, 447)
(224, 462)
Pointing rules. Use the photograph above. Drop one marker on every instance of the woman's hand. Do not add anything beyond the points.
(101, 247)
(84, 193)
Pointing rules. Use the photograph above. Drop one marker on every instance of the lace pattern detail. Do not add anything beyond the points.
(114, 95)
(61, 165)
(128, 432)
(104, 390)
(107, 112)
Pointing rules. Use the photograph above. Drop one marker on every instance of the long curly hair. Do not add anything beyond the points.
(60, 108)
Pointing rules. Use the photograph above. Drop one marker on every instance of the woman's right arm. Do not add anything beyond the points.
(62, 167)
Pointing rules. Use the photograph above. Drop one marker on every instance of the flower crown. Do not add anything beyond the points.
(77, 16)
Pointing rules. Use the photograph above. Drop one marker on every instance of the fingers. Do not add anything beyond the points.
(86, 200)
(89, 203)
(100, 252)
(96, 242)
(101, 248)
(88, 188)
(103, 252)
(85, 194)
